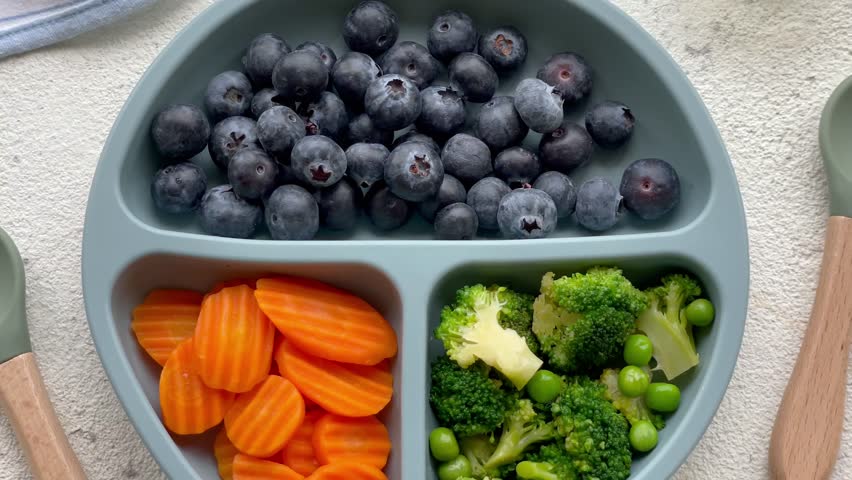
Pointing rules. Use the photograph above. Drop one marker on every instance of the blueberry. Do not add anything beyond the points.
(326, 54)
(361, 129)
(278, 129)
(414, 171)
(457, 221)
(365, 164)
(339, 205)
(351, 76)
(325, 116)
(484, 196)
(261, 56)
(371, 27)
(504, 47)
(228, 94)
(224, 214)
(517, 166)
(180, 132)
(466, 158)
(411, 60)
(178, 188)
(526, 213)
(263, 101)
(300, 76)
(292, 214)
(599, 205)
(566, 148)
(451, 191)
(393, 102)
(610, 124)
(539, 105)
(452, 33)
(499, 124)
(415, 136)
(230, 136)
(318, 161)
(570, 74)
(386, 210)
(252, 174)
(474, 77)
(651, 188)
(561, 189)
(442, 113)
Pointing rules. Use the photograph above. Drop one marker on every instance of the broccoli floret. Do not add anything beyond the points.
(664, 323)
(478, 449)
(551, 462)
(582, 321)
(634, 409)
(517, 314)
(596, 435)
(522, 428)
(466, 400)
(470, 331)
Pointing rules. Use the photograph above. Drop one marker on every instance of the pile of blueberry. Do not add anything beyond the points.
(307, 138)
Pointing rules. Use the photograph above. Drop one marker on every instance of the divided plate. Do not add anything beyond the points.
(129, 248)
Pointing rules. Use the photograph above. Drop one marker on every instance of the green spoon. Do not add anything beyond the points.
(808, 428)
(22, 392)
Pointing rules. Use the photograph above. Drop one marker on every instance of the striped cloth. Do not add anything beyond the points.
(29, 24)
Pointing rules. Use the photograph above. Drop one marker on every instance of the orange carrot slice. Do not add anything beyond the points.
(363, 440)
(161, 327)
(347, 390)
(234, 282)
(325, 321)
(262, 420)
(347, 471)
(170, 296)
(298, 454)
(188, 405)
(224, 451)
(233, 340)
(250, 468)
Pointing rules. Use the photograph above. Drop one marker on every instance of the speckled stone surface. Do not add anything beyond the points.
(764, 68)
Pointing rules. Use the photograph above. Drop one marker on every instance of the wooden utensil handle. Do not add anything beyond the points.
(25, 400)
(807, 431)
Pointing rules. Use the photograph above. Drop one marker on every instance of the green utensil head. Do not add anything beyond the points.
(835, 138)
(14, 337)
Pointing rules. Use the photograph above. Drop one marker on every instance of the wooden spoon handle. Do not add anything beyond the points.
(807, 431)
(25, 400)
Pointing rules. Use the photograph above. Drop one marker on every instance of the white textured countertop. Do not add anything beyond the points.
(764, 68)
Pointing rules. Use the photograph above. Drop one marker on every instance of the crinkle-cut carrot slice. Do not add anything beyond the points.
(224, 451)
(298, 454)
(262, 420)
(347, 471)
(233, 340)
(173, 296)
(325, 321)
(344, 389)
(188, 405)
(339, 439)
(234, 282)
(161, 327)
(251, 468)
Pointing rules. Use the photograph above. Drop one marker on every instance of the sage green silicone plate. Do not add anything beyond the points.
(129, 248)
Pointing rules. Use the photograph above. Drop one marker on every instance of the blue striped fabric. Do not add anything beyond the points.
(29, 24)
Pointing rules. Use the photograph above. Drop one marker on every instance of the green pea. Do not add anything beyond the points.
(443, 444)
(700, 312)
(633, 381)
(662, 397)
(544, 386)
(643, 436)
(455, 468)
(638, 350)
